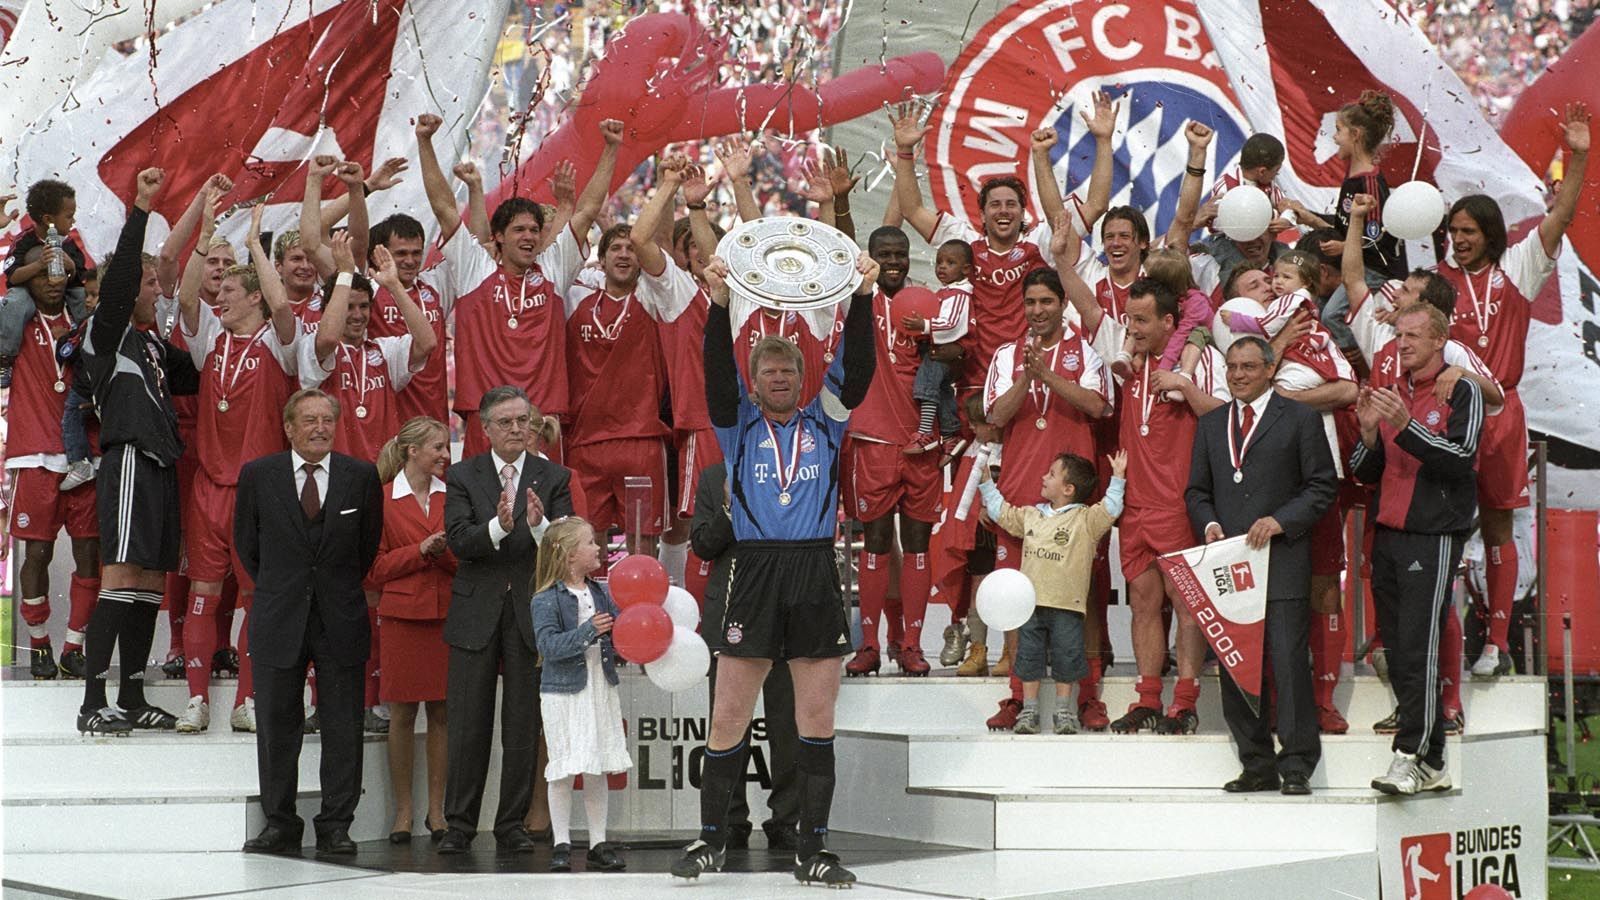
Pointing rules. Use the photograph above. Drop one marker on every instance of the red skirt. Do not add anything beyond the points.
(413, 660)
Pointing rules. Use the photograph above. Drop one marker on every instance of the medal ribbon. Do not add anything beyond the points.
(785, 473)
(1480, 311)
(223, 381)
(1236, 453)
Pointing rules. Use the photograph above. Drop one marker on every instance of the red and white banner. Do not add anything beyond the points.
(254, 88)
(1224, 585)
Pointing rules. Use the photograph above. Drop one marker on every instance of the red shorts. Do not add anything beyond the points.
(208, 533)
(1327, 542)
(38, 509)
(883, 479)
(1145, 534)
(1503, 457)
(601, 469)
(697, 450)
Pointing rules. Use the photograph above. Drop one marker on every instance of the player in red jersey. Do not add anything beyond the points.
(1048, 392)
(613, 340)
(1498, 284)
(509, 314)
(403, 237)
(1002, 254)
(218, 257)
(245, 353)
(884, 480)
(36, 462)
(1156, 432)
(676, 281)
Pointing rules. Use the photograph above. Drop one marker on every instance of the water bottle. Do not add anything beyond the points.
(58, 268)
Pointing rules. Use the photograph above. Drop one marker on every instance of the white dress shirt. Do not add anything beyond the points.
(299, 463)
(496, 532)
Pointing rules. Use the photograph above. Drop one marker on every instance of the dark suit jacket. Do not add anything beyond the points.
(292, 571)
(1288, 475)
(486, 574)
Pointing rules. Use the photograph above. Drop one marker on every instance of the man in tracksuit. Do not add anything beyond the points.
(1421, 453)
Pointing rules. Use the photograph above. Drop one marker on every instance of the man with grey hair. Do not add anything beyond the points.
(497, 505)
(1261, 467)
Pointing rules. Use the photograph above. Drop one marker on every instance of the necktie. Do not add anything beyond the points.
(508, 477)
(1248, 420)
(309, 501)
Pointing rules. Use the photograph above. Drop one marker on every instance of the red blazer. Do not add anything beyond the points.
(414, 587)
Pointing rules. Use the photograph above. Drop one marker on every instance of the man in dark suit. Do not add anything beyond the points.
(306, 526)
(711, 534)
(1261, 467)
(496, 508)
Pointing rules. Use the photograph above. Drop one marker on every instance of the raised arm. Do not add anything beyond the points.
(815, 187)
(319, 168)
(477, 206)
(735, 156)
(330, 329)
(1064, 245)
(385, 176)
(284, 325)
(194, 269)
(119, 286)
(1352, 267)
(599, 185)
(167, 268)
(669, 175)
(356, 189)
(1193, 185)
(564, 188)
(722, 378)
(860, 351)
(1102, 124)
(1575, 130)
(842, 181)
(423, 340)
(908, 132)
(440, 196)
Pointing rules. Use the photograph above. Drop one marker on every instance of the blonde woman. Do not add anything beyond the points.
(414, 571)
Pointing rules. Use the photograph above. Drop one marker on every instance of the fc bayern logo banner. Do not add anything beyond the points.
(1224, 585)
(1037, 64)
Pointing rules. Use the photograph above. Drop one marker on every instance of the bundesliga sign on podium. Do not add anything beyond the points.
(1224, 584)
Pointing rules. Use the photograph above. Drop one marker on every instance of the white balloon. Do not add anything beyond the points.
(1244, 212)
(1221, 334)
(1005, 599)
(681, 606)
(685, 663)
(1413, 211)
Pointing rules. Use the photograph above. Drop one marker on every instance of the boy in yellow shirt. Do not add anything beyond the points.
(1059, 537)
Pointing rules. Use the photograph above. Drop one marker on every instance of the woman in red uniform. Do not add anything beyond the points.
(413, 570)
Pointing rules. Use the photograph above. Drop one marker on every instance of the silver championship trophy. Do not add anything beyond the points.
(790, 264)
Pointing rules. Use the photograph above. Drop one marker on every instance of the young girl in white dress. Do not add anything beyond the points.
(572, 619)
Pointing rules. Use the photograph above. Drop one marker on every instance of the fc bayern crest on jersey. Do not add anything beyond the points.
(374, 356)
(1433, 418)
(1037, 64)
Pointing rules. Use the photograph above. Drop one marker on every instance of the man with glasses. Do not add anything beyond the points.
(497, 505)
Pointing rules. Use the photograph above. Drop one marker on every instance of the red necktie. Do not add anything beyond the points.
(309, 501)
(1249, 419)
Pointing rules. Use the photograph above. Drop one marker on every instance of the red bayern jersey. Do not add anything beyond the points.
(616, 370)
(1376, 340)
(367, 380)
(889, 413)
(997, 313)
(682, 342)
(308, 312)
(511, 330)
(1492, 305)
(244, 382)
(1029, 449)
(792, 327)
(1157, 433)
(429, 391)
(33, 423)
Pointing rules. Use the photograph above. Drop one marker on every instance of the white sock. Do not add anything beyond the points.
(37, 631)
(560, 799)
(675, 557)
(596, 800)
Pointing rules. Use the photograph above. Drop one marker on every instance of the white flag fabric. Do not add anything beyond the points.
(1224, 585)
(252, 89)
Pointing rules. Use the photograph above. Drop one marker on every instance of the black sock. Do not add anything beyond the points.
(138, 633)
(815, 763)
(100, 638)
(928, 412)
(722, 771)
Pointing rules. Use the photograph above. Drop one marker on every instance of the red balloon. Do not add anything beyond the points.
(1488, 892)
(638, 579)
(914, 301)
(642, 633)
